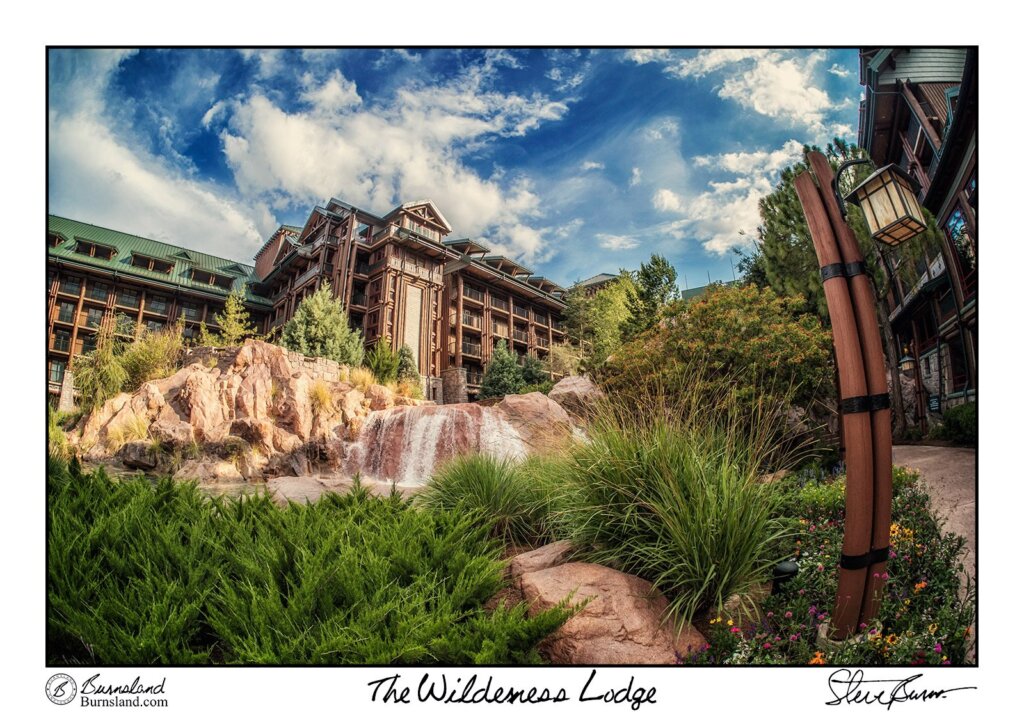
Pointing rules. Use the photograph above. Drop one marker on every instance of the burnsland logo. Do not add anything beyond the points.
(61, 689)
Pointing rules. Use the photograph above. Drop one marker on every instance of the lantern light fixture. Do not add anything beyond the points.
(888, 199)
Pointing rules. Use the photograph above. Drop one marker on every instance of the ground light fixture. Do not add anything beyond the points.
(888, 199)
(783, 572)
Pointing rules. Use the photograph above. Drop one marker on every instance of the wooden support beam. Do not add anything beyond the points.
(864, 305)
(856, 426)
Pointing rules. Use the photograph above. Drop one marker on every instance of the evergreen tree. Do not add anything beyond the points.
(320, 328)
(407, 369)
(533, 370)
(654, 287)
(503, 375)
(383, 361)
(233, 322)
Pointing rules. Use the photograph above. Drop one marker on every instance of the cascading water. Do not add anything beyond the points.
(407, 444)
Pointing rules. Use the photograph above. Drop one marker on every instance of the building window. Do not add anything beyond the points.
(191, 311)
(151, 263)
(93, 317)
(71, 285)
(88, 343)
(127, 297)
(153, 325)
(53, 240)
(97, 291)
(61, 340)
(57, 371)
(66, 312)
(156, 303)
(956, 229)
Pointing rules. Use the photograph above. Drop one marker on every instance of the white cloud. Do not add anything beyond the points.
(664, 128)
(643, 56)
(838, 71)
(635, 176)
(213, 112)
(726, 215)
(591, 166)
(336, 94)
(781, 84)
(378, 156)
(617, 242)
(97, 176)
(746, 162)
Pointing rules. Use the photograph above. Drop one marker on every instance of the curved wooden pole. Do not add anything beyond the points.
(863, 295)
(856, 426)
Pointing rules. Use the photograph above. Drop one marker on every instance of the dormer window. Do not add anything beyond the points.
(212, 278)
(104, 252)
(152, 264)
(53, 240)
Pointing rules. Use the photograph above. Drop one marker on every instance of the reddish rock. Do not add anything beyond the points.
(209, 470)
(578, 395)
(380, 397)
(622, 624)
(541, 558)
(540, 422)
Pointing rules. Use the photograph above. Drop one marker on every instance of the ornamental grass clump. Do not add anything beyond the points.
(670, 492)
(512, 497)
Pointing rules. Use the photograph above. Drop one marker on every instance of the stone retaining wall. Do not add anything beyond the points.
(314, 367)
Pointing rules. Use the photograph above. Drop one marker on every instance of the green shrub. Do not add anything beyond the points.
(383, 361)
(502, 374)
(143, 574)
(674, 499)
(100, 374)
(512, 497)
(960, 425)
(407, 369)
(56, 439)
(543, 387)
(319, 328)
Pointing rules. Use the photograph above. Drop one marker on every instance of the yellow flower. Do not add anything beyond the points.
(891, 639)
(729, 623)
(932, 628)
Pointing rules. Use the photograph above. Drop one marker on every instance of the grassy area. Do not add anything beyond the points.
(163, 575)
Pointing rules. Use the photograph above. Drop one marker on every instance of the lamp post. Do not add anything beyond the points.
(893, 216)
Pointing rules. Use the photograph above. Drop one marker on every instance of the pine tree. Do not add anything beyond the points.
(654, 287)
(502, 375)
(533, 370)
(320, 328)
(233, 322)
(407, 369)
(383, 361)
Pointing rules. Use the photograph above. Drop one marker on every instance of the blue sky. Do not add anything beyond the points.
(572, 161)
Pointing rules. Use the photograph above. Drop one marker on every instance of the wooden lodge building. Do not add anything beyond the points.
(398, 276)
(920, 111)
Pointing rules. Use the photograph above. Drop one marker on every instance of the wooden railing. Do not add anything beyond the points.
(474, 378)
(499, 303)
(472, 293)
(521, 312)
(520, 335)
(471, 320)
(471, 349)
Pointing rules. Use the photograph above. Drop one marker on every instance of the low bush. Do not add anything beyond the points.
(512, 497)
(960, 425)
(134, 428)
(543, 387)
(142, 574)
(155, 354)
(383, 362)
(361, 378)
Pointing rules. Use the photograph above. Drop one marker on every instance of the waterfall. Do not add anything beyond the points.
(406, 444)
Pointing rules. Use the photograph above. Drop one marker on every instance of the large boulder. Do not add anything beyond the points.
(209, 470)
(544, 557)
(623, 623)
(578, 395)
(540, 422)
(138, 454)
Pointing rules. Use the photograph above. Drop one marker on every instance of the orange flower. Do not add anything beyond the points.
(919, 586)
(818, 660)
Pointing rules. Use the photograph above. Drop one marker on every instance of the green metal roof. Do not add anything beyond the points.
(127, 244)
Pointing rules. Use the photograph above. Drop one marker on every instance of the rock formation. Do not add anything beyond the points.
(253, 414)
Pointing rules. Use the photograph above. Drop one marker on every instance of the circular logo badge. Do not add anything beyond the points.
(61, 689)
